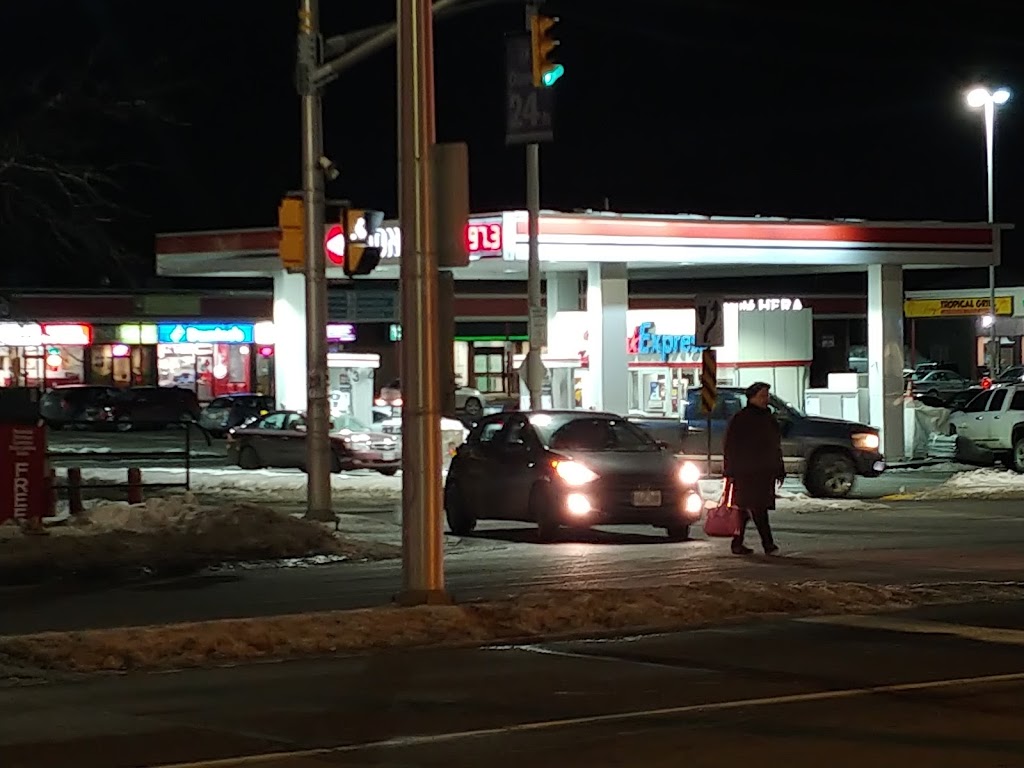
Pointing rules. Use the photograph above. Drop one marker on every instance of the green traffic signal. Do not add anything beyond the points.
(553, 75)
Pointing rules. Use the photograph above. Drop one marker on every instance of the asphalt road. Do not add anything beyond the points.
(899, 542)
(940, 687)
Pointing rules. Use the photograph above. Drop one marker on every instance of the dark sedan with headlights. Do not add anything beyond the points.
(571, 469)
(279, 440)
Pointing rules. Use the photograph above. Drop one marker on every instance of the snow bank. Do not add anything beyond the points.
(978, 484)
(532, 615)
(789, 501)
(171, 533)
(939, 468)
(268, 484)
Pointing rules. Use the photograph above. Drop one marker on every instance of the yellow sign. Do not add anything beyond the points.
(956, 307)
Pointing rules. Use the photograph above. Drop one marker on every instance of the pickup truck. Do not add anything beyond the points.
(995, 420)
(828, 454)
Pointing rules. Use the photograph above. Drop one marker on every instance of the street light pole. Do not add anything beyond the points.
(988, 101)
(534, 363)
(422, 506)
(318, 453)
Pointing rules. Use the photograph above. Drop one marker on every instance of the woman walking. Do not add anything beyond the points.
(753, 463)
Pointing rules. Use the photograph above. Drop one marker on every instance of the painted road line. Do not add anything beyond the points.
(912, 626)
(570, 722)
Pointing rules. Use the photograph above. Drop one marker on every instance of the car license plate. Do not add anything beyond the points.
(387, 455)
(646, 498)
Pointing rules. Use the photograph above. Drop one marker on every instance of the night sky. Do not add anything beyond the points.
(727, 107)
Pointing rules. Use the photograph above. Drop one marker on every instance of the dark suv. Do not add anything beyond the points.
(88, 406)
(828, 454)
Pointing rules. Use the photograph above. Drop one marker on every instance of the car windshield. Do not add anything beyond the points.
(345, 422)
(569, 432)
(782, 408)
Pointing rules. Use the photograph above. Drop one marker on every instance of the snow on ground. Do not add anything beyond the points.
(266, 484)
(789, 501)
(177, 532)
(941, 467)
(978, 484)
(581, 612)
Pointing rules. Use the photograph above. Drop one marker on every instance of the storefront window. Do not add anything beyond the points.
(487, 365)
(42, 355)
(41, 367)
(210, 370)
(489, 369)
(120, 365)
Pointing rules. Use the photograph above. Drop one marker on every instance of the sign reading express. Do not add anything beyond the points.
(205, 333)
(645, 341)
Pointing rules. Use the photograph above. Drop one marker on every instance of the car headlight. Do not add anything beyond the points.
(689, 473)
(865, 441)
(573, 473)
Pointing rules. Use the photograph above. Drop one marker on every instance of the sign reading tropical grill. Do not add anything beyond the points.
(956, 307)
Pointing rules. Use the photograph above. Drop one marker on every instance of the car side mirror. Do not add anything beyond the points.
(300, 427)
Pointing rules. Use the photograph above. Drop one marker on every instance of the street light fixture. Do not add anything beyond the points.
(983, 98)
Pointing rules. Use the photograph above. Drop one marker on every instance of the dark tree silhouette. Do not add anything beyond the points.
(72, 142)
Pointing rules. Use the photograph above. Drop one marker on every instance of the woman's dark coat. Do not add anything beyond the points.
(753, 457)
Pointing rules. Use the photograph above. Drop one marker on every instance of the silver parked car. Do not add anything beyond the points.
(939, 384)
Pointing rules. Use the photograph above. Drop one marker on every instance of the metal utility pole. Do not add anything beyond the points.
(422, 505)
(993, 340)
(537, 315)
(318, 449)
(538, 329)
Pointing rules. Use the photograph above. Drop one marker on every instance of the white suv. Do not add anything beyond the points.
(995, 420)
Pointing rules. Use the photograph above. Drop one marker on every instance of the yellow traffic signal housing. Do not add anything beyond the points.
(292, 245)
(542, 48)
(361, 258)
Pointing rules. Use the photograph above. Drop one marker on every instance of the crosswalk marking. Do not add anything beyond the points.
(997, 635)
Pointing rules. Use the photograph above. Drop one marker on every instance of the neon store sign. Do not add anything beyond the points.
(645, 341)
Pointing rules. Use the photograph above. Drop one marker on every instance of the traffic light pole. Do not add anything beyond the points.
(422, 504)
(534, 364)
(318, 448)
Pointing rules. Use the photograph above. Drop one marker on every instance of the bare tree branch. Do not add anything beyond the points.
(68, 142)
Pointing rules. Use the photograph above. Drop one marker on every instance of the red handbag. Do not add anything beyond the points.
(723, 521)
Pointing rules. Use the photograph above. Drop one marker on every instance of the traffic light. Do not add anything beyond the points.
(546, 71)
(292, 246)
(361, 255)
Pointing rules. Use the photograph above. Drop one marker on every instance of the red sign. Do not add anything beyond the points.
(483, 237)
(23, 482)
(334, 245)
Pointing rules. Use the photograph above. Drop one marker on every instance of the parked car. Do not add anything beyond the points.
(467, 400)
(995, 420)
(279, 440)
(88, 406)
(229, 411)
(1011, 375)
(958, 401)
(828, 454)
(941, 384)
(923, 369)
(572, 469)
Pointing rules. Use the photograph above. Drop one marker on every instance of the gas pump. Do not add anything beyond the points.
(350, 384)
